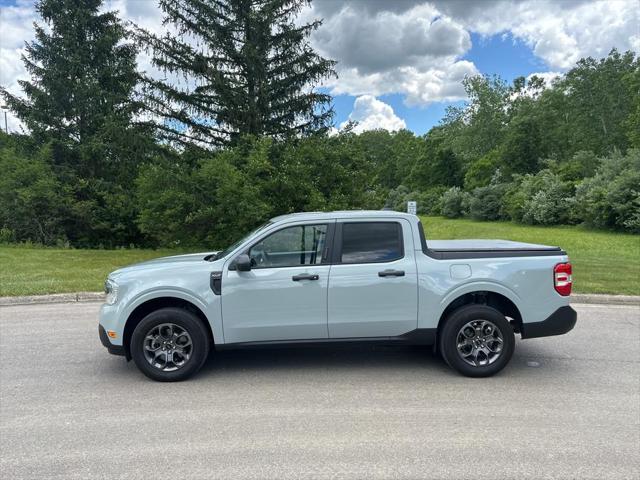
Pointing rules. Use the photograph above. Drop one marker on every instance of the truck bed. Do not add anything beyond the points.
(453, 249)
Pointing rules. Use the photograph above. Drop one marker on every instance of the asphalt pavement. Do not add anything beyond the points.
(566, 407)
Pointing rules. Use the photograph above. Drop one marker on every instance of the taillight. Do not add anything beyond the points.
(562, 278)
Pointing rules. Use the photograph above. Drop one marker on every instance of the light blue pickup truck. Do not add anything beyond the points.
(355, 276)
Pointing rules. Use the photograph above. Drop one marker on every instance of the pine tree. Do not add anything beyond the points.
(83, 76)
(80, 101)
(243, 67)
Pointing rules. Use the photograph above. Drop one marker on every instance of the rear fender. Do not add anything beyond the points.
(471, 287)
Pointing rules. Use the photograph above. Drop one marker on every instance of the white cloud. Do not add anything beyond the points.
(411, 50)
(386, 40)
(558, 32)
(373, 114)
(416, 48)
(420, 87)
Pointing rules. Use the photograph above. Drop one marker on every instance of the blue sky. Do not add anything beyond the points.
(402, 62)
(504, 55)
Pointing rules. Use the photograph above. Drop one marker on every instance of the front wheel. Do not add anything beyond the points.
(477, 341)
(169, 345)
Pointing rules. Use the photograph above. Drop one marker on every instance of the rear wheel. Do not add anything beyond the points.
(169, 345)
(477, 341)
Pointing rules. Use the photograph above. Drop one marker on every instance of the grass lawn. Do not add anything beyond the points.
(603, 262)
(35, 271)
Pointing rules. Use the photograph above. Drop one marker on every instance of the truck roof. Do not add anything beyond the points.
(344, 214)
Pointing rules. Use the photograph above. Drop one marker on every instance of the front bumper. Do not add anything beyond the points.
(114, 349)
(559, 322)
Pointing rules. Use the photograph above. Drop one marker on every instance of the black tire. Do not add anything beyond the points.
(452, 328)
(184, 321)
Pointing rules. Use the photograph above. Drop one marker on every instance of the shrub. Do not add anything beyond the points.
(549, 206)
(165, 194)
(480, 172)
(514, 200)
(455, 202)
(429, 202)
(611, 199)
(321, 173)
(485, 203)
(583, 164)
(396, 198)
(211, 204)
(6, 235)
(543, 198)
(33, 204)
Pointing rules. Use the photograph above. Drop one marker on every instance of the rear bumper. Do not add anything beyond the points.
(104, 339)
(559, 322)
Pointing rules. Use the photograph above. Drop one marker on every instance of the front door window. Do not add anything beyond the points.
(290, 247)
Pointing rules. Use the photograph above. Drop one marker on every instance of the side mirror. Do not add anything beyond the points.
(242, 263)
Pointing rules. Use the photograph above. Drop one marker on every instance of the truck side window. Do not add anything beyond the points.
(371, 242)
(290, 247)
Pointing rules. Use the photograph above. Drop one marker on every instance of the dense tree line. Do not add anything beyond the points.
(116, 157)
(568, 153)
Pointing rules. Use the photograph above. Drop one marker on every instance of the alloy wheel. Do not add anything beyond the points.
(479, 343)
(167, 347)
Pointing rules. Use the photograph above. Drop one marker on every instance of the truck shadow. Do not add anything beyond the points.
(527, 360)
(323, 357)
(396, 360)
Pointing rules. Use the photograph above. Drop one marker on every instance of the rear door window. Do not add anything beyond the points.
(371, 242)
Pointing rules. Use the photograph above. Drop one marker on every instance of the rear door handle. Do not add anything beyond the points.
(305, 276)
(391, 273)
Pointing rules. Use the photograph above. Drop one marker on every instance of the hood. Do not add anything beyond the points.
(163, 262)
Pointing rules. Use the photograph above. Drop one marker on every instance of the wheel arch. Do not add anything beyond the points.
(490, 298)
(148, 306)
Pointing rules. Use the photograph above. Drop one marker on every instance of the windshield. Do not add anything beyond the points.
(235, 245)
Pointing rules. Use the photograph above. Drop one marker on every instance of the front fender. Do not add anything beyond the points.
(210, 307)
(159, 292)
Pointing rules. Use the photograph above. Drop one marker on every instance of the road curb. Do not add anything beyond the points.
(606, 299)
(53, 298)
(99, 297)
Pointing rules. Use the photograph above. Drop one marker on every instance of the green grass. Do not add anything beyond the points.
(603, 262)
(35, 271)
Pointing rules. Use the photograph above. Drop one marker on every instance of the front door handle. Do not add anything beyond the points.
(391, 273)
(305, 276)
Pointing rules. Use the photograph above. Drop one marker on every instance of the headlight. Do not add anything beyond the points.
(111, 289)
